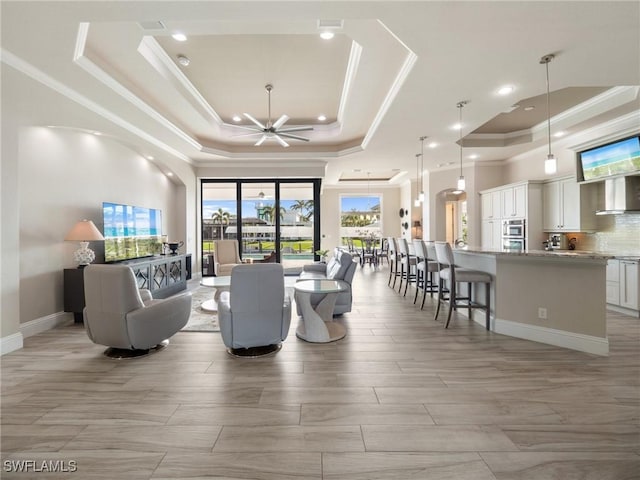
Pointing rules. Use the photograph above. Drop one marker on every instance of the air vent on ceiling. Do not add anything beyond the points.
(331, 24)
(152, 25)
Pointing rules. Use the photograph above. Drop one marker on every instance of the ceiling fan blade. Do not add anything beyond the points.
(261, 141)
(295, 137)
(295, 129)
(262, 127)
(281, 141)
(248, 127)
(247, 134)
(281, 121)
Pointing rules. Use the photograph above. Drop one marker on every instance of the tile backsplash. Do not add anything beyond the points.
(616, 234)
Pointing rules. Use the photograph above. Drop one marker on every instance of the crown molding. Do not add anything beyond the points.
(38, 75)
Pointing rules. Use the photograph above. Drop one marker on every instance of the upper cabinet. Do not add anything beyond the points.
(514, 202)
(568, 206)
(491, 202)
(518, 201)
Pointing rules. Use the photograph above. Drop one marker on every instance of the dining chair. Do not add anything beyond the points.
(455, 275)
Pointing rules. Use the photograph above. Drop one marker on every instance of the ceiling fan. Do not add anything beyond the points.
(272, 130)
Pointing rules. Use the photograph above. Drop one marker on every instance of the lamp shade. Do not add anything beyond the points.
(84, 231)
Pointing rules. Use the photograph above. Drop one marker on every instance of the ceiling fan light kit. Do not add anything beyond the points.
(272, 130)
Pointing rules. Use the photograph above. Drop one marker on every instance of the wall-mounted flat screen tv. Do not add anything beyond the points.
(130, 232)
(621, 157)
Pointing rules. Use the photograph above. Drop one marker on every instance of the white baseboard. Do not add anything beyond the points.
(623, 310)
(11, 343)
(42, 324)
(550, 336)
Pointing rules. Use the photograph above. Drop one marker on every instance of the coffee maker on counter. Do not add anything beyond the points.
(558, 241)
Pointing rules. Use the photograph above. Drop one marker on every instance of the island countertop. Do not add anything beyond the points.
(537, 253)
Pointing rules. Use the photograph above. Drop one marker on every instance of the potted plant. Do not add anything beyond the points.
(323, 255)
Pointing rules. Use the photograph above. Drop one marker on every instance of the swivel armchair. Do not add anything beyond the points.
(255, 314)
(127, 319)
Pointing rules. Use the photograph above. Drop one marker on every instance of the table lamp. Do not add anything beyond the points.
(84, 232)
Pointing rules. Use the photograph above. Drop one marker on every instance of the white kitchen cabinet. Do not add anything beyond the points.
(629, 284)
(568, 206)
(514, 202)
(518, 201)
(491, 205)
(623, 287)
(492, 234)
(613, 282)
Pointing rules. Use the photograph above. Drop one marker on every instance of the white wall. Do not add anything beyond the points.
(64, 176)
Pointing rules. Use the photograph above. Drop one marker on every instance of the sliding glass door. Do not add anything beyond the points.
(272, 220)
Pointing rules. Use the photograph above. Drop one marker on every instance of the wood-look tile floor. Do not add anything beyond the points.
(399, 397)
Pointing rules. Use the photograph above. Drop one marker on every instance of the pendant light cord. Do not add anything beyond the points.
(460, 105)
(548, 109)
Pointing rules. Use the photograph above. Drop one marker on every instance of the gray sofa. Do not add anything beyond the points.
(340, 267)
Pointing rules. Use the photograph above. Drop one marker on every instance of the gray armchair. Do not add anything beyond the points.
(126, 319)
(255, 314)
(340, 267)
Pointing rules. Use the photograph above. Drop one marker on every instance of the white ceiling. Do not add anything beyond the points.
(394, 72)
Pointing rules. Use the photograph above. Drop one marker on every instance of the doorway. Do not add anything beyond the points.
(271, 219)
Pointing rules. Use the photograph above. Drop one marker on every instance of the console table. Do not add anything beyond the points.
(163, 275)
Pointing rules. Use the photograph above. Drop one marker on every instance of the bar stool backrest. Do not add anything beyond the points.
(419, 249)
(430, 245)
(403, 246)
(444, 254)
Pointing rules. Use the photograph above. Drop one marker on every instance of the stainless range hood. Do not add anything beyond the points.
(621, 195)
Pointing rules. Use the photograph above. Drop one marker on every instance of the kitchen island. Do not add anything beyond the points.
(553, 297)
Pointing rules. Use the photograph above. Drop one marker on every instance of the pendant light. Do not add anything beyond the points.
(421, 195)
(461, 183)
(416, 202)
(550, 164)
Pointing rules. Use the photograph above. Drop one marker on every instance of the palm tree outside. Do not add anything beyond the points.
(221, 217)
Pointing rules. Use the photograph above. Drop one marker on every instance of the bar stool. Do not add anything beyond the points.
(456, 275)
(407, 265)
(432, 268)
(394, 261)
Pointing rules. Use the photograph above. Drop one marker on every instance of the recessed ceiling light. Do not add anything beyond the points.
(322, 118)
(183, 60)
(97, 133)
(506, 90)
(149, 157)
(327, 35)
(179, 37)
(236, 118)
(433, 145)
(473, 156)
(529, 108)
(559, 134)
(457, 126)
(169, 174)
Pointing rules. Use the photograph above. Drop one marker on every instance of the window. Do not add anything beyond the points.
(360, 219)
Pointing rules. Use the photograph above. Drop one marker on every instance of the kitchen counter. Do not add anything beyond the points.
(554, 297)
(540, 253)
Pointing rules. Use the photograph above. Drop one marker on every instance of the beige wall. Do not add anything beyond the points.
(64, 176)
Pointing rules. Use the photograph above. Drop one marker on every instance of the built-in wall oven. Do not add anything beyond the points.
(514, 235)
